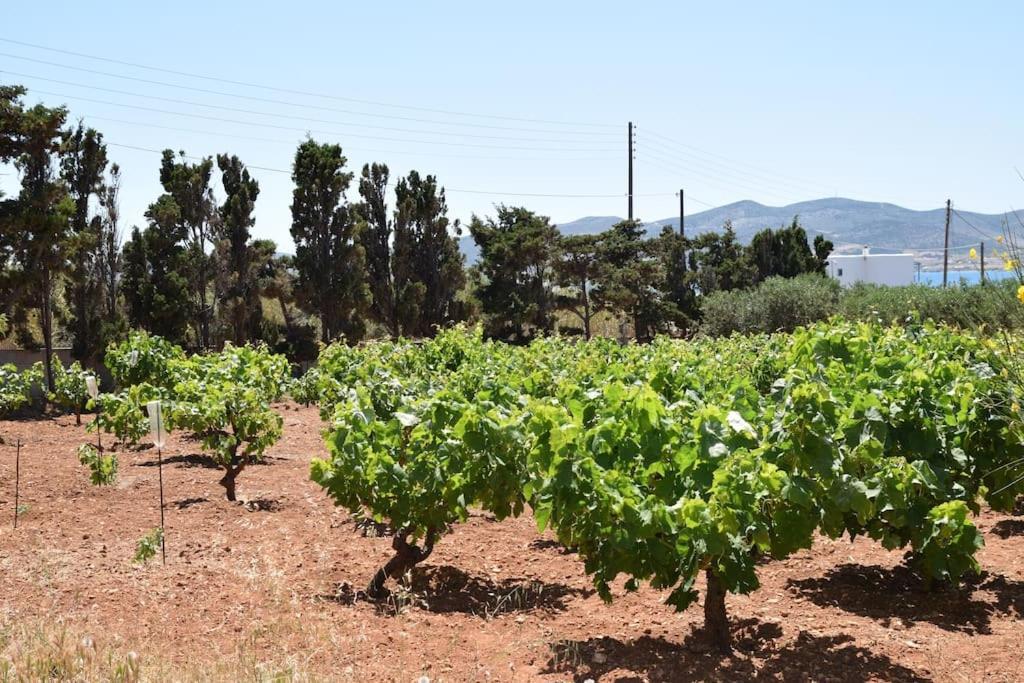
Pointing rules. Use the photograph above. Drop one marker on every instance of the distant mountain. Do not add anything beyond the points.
(849, 223)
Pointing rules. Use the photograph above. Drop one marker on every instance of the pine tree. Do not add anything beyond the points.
(328, 259)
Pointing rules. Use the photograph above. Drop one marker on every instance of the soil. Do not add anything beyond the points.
(272, 577)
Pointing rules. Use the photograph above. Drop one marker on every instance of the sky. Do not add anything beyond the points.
(908, 103)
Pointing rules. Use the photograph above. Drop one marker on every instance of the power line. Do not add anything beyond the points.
(972, 226)
(308, 130)
(240, 110)
(446, 189)
(348, 148)
(299, 92)
(688, 196)
(267, 100)
(770, 174)
(730, 183)
(727, 170)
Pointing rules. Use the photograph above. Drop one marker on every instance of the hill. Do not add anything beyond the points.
(847, 222)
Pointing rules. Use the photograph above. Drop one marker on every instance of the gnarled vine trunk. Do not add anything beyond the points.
(231, 472)
(716, 622)
(406, 557)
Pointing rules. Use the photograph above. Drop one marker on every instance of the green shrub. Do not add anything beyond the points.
(776, 305)
(69, 388)
(966, 306)
(16, 387)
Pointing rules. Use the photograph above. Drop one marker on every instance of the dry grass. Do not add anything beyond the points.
(54, 651)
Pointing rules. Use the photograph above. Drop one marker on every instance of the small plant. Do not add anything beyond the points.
(225, 401)
(103, 468)
(69, 388)
(123, 414)
(148, 546)
(16, 387)
(22, 510)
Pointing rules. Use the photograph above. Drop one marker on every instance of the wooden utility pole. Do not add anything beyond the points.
(945, 252)
(682, 219)
(629, 192)
(982, 263)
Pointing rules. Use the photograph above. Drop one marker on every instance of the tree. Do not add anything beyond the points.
(679, 283)
(11, 114)
(822, 248)
(108, 254)
(426, 256)
(720, 262)
(329, 261)
(156, 285)
(38, 222)
(518, 252)
(632, 278)
(396, 296)
(576, 268)
(83, 163)
(188, 186)
(239, 294)
(786, 253)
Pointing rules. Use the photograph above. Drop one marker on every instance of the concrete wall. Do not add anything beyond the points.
(24, 358)
(880, 269)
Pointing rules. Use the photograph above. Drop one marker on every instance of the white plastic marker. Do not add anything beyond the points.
(156, 430)
(17, 481)
(93, 388)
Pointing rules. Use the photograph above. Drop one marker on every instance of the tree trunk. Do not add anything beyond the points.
(406, 557)
(46, 323)
(228, 480)
(716, 622)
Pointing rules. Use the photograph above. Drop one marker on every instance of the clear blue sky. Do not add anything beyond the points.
(907, 102)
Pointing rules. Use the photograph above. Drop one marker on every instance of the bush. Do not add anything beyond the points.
(16, 387)
(966, 306)
(69, 388)
(776, 305)
(143, 358)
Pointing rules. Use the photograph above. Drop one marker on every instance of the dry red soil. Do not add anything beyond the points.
(496, 601)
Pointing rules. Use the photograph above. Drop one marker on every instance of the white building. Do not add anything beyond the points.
(880, 269)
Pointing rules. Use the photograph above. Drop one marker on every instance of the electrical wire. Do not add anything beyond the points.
(446, 189)
(762, 172)
(291, 91)
(292, 143)
(266, 100)
(307, 130)
(709, 177)
(972, 226)
(289, 117)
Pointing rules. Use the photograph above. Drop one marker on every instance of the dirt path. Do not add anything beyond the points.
(496, 601)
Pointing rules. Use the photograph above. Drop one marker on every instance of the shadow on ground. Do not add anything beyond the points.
(444, 590)
(189, 460)
(884, 593)
(656, 659)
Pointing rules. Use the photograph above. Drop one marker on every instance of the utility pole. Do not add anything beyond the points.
(982, 263)
(945, 252)
(682, 219)
(629, 193)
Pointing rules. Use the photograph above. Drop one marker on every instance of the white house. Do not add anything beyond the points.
(880, 269)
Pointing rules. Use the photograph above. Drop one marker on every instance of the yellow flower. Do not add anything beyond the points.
(999, 239)
(1008, 265)
(1015, 407)
(974, 253)
(1020, 294)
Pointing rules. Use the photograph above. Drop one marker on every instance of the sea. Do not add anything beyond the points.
(956, 277)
